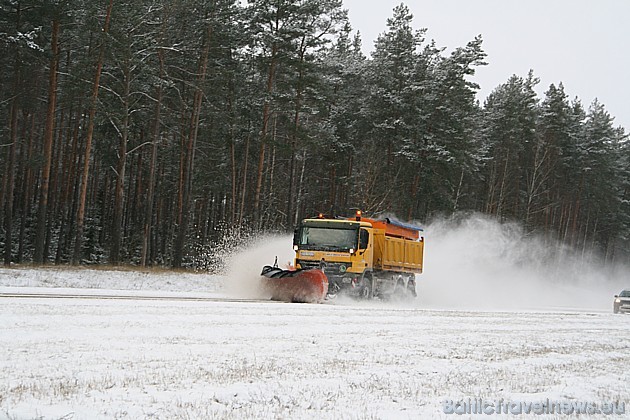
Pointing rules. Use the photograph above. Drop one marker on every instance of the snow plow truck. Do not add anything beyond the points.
(357, 256)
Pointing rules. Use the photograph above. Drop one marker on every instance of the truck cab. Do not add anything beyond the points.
(342, 249)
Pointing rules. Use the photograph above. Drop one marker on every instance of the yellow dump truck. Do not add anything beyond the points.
(361, 256)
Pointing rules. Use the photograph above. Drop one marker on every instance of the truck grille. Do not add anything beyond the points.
(307, 265)
(330, 268)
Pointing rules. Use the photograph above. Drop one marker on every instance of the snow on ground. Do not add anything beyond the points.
(86, 359)
(109, 279)
(500, 316)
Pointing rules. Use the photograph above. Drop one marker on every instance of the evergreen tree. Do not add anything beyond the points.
(449, 151)
(338, 146)
(602, 178)
(141, 140)
(509, 132)
(551, 195)
(392, 109)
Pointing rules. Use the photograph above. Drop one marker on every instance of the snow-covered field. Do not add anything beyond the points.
(87, 359)
(102, 279)
(497, 319)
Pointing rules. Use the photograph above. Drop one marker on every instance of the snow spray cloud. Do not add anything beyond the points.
(214, 256)
(471, 262)
(243, 267)
(474, 262)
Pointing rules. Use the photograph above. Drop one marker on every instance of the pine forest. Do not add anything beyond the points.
(145, 132)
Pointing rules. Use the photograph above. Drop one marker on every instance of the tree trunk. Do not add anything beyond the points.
(458, 194)
(42, 212)
(296, 128)
(502, 190)
(244, 186)
(271, 76)
(69, 186)
(28, 189)
(332, 191)
(189, 156)
(88, 142)
(415, 185)
(114, 257)
(9, 176)
(233, 179)
(148, 216)
(8, 182)
(298, 200)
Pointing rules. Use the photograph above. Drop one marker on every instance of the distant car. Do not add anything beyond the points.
(622, 302)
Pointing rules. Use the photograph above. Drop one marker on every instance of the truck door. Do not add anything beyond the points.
(366, 248)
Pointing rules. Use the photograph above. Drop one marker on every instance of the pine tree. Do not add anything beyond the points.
(337, 146)
(88, 145)
(392, 101)
(509, 131)
(603, 191)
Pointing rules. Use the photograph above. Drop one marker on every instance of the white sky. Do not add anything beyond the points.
(583, 43)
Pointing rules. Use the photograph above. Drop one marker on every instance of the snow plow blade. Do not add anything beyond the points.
(303, 286)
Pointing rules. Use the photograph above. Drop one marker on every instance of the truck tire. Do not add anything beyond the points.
(367, 288)
(411, 286)
(333, 291)
(405, 289)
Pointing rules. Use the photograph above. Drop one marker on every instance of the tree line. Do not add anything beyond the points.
(142, 131)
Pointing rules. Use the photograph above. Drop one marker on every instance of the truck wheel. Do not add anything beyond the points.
(333, 291)
(405, 291)
(400, 291)
(367, 290)
(411, 286)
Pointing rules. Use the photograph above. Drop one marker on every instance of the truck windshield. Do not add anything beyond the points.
(328, 238)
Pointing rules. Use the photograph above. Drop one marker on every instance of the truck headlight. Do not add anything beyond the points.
(617, 300)
(342, 268)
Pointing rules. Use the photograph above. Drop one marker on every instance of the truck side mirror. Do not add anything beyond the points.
(296, 237)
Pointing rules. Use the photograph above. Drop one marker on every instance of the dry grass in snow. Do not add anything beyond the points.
(124, 359)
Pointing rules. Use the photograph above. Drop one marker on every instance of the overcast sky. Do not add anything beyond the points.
(583, 43)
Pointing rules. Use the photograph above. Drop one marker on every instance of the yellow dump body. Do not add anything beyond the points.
(397, 254)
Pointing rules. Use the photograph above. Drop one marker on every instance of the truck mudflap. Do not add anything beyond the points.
(303, 286)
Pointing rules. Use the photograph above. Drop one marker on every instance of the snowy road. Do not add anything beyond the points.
(86, 359)
(56, 293)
